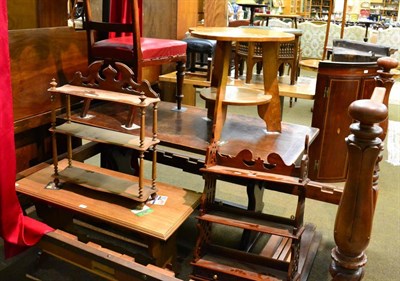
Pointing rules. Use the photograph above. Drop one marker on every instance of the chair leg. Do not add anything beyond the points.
(259, 67)
(209, 68)
(281, 69)
(237, 65)
(249, 70)
(192, 63)
(180, 74)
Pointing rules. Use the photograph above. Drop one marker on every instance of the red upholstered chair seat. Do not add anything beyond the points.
(152, 48)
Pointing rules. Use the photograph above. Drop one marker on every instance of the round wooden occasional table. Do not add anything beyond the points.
(269, 108)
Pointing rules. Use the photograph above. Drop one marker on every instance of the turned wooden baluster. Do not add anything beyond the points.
(354, 216)
(385, 79)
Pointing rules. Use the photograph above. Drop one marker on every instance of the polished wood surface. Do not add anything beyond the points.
(37, 56)
(37, 14)
(113, 209)
(215, 13)
(241, 34)
(191, 131)
(56, 52)
(181, 15)
(157, 227)
(271, 112)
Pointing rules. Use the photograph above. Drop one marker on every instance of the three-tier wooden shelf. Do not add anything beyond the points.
(100, 86)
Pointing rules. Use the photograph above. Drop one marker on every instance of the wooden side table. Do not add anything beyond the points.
(269, 108)
(266, 17)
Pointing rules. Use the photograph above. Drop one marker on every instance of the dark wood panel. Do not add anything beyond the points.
(37, 56)
(52, 13)
(22, 18)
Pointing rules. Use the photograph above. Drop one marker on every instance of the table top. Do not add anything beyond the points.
(191, 131)
(161, 223)
(251, 5)
(241, 34)
(284, 16)
(295, 31)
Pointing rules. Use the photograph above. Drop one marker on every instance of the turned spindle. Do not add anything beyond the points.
(354, 216)
(386, 80)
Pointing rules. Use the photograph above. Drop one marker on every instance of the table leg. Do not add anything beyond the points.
(366, 33)
(163, 252)
(271, 113)
(219, 79)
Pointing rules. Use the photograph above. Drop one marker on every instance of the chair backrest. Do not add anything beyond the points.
(312, 41)
(116, 26)
(279, 23)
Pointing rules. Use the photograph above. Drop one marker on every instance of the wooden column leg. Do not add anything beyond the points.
(180, 74)
(271, 113)
(219, 79)
(164, 252)
(354, 216)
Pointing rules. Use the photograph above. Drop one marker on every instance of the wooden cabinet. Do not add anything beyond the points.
(318, 9)
(338, 85)
(297, 7)
(386, 8)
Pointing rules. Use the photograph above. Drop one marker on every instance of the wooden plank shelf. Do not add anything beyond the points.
(106, 183)
(238, 96)
(222, 263)
(254, 175)
(259, 226)
(99, 94)
(303, 89)
(214, 266)
(104, 136)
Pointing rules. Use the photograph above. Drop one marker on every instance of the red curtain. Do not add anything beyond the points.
(120, 11)
(17, 230)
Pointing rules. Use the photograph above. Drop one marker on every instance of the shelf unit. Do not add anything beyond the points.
(298, 7)
(386, 8)
(318, 9)
(289, 242)
(105, 84)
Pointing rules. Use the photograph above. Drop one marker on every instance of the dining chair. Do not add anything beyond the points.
(117, 41)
